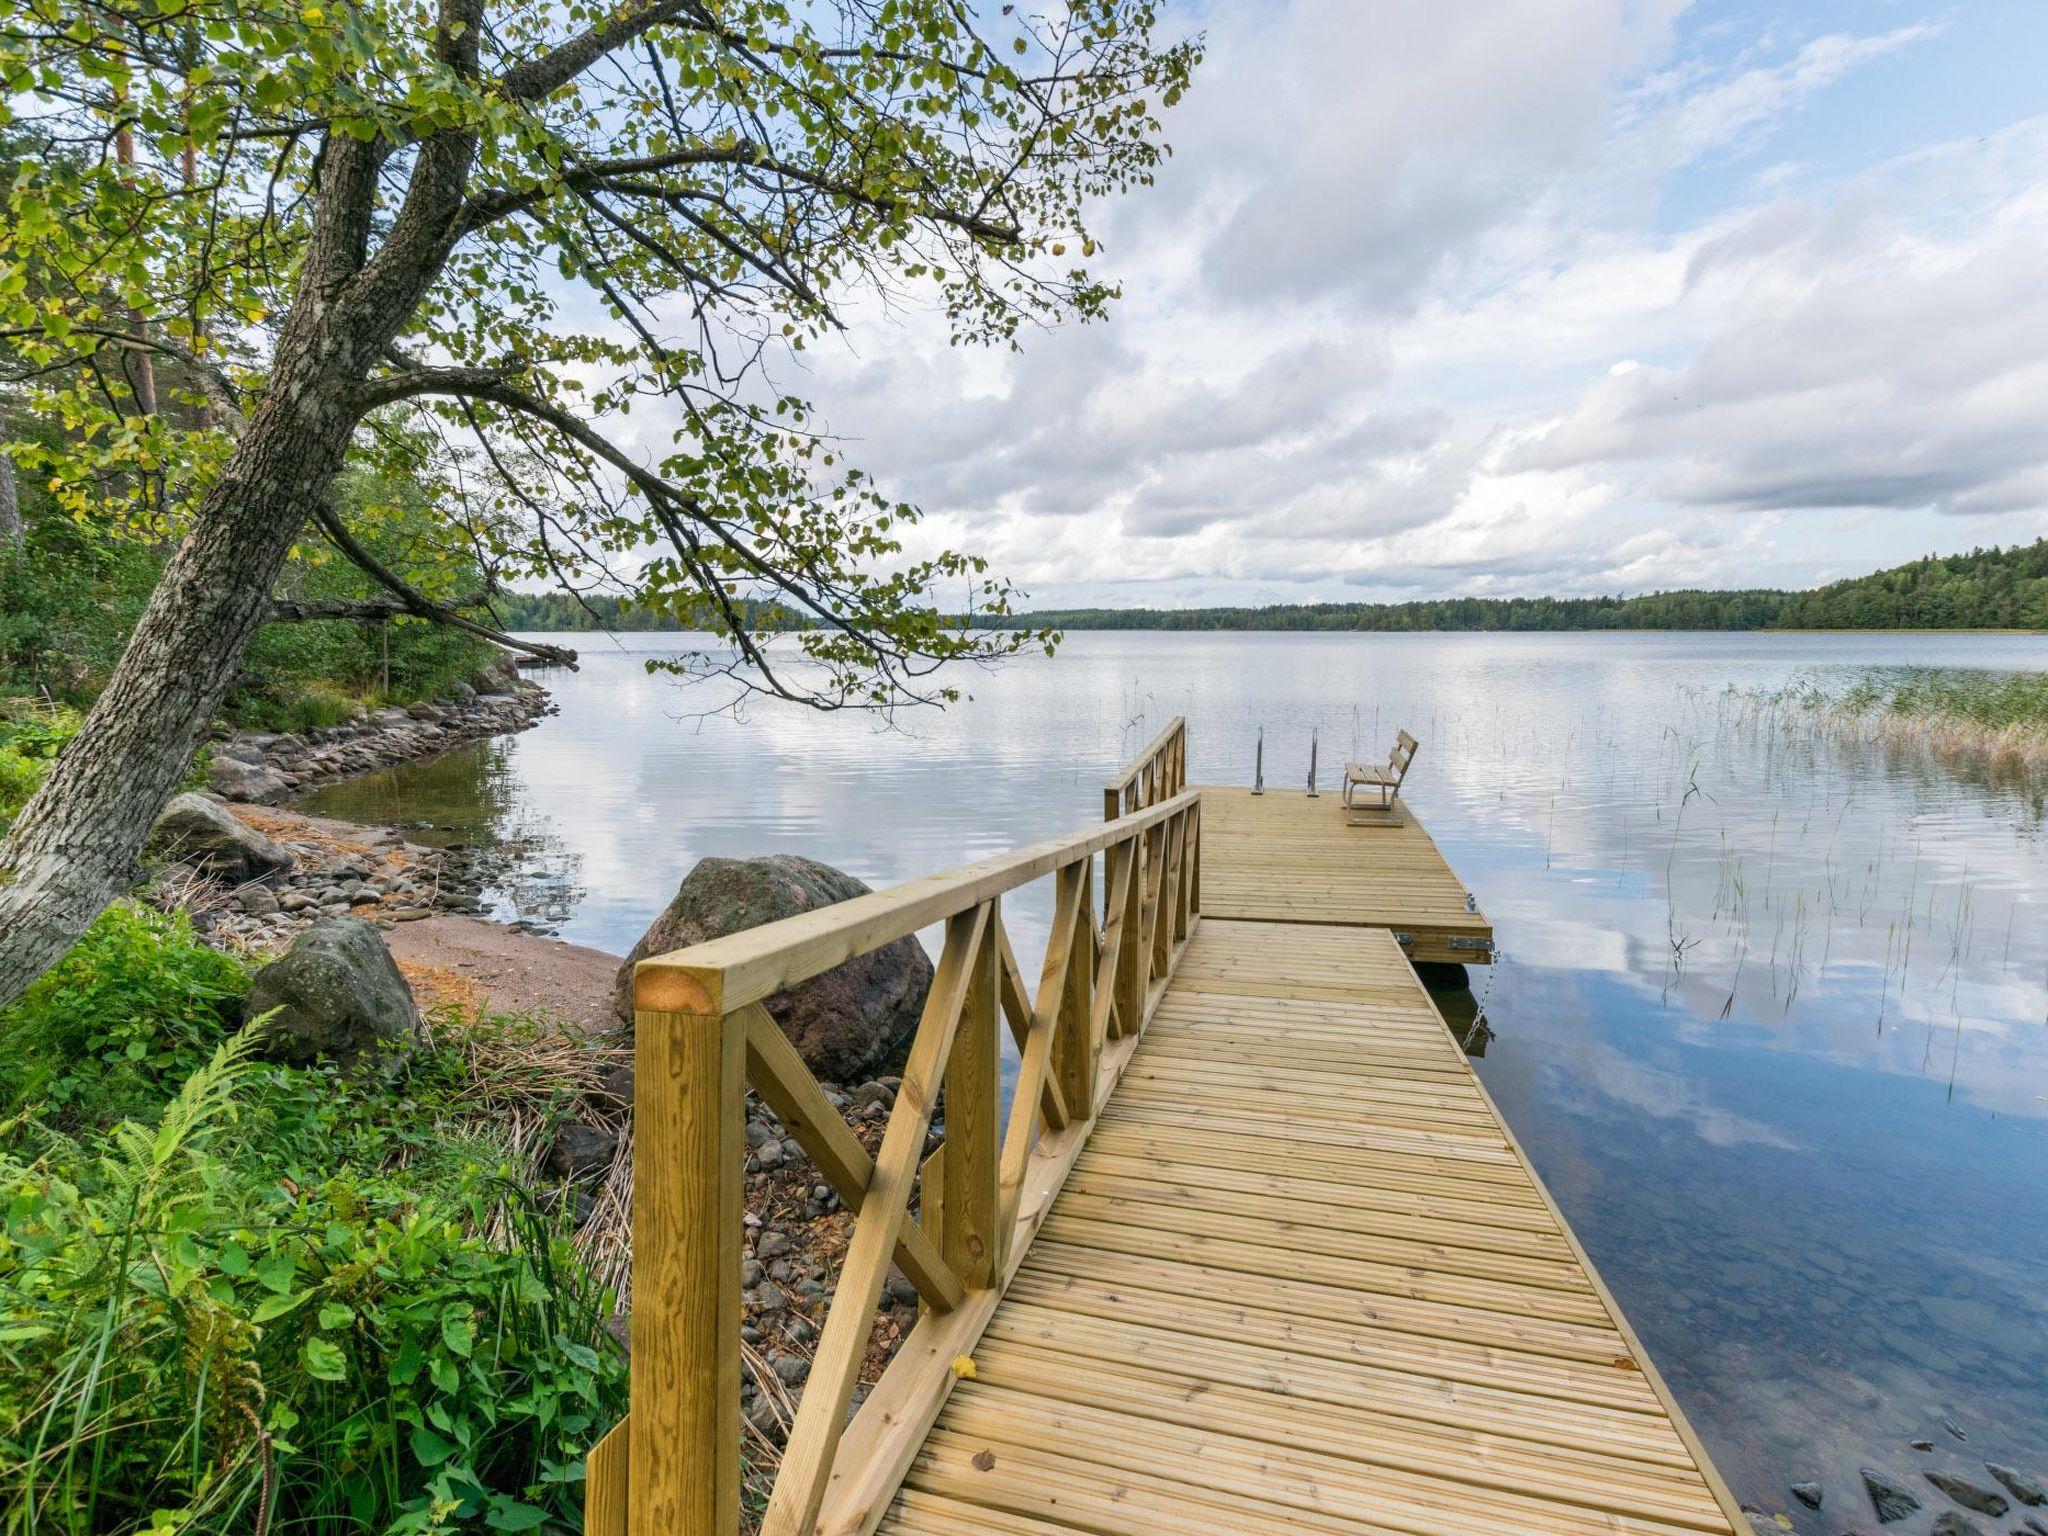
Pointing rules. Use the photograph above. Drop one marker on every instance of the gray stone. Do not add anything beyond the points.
(841, 1022)
(1892, 1499)
(615, 1088)
(773, 1244)
(1969, 1494)
(205, 833)
(1953, 1524)
(233, 779)
(336, 993)
(501, 676)
(582, 1151)
(1809, 1494)
(2024, 1486)
(768, 1155)
(258, 902)
(791, 1369)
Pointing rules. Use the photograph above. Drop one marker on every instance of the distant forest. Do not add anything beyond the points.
(1985, 589)
(558, 611)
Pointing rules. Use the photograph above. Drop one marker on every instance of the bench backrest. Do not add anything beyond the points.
(1402, 755)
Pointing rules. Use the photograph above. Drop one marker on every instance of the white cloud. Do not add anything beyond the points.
(1409, 312)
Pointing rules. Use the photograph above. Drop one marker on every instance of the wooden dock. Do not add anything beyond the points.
(1254, 1251)
(1285, 858)
(1302, 1279)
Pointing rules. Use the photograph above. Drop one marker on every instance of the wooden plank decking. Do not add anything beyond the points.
(1282, 857)
(1302, 1279)
(1251, 1252)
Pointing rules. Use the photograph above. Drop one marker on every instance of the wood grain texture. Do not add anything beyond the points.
(1301, 1278)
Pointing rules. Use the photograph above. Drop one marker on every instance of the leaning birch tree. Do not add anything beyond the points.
(249, 236)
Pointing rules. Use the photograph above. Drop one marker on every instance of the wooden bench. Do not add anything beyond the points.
(1383, 779)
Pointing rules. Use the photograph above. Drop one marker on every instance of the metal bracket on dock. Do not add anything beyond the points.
(1259, 764)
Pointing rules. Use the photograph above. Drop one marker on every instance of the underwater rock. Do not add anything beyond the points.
(1892, 1499)
(1969, 1495)
(2023, 1486)
(1809, 1494)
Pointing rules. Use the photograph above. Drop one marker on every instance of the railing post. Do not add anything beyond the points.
(689, 1119)
(1073, 1044)
(970, 1237)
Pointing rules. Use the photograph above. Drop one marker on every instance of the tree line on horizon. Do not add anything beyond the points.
(1985, 589)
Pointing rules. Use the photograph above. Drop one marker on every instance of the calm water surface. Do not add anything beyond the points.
(1771, 1015)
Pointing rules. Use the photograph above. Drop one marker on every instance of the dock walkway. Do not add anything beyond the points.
(1253, 1253)
(1302, 1279)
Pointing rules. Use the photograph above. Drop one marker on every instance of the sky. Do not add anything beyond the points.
(1508, 297)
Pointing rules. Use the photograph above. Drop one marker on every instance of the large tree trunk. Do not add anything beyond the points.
(76, 844)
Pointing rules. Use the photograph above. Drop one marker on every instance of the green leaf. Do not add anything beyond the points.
(458, 1330)
(274, 1307)
(324, 1360)
(429, 1449)
(511, 1515)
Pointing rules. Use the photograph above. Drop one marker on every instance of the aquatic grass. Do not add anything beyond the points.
(1991, 721)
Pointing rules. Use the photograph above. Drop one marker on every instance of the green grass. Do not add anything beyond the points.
(240, 1297)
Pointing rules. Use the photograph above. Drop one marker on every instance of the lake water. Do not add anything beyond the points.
(1771, 1013)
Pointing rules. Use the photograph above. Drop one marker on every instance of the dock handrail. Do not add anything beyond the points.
(702, 1035)
(1158, 773)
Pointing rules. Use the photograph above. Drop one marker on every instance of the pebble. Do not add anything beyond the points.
(1809, 1494)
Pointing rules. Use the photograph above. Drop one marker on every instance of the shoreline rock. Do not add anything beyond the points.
(264, 768)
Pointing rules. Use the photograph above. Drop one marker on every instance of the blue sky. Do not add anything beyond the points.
(1523, 296)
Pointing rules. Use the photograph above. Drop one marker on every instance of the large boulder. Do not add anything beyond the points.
(237, 778)
(844, 1021)
(337, 993)
(500, 676)
(206, 833)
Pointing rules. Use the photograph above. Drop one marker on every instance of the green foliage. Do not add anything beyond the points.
(70, 596)
(575, 212)
(1985, 589)
(136, 1003)
(263, 1296)
(30, 738)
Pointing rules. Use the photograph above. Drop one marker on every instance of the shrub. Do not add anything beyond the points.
(136, 1003)
(267, 1296)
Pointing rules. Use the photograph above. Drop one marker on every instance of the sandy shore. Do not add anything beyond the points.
(466, 960)
(449, 958)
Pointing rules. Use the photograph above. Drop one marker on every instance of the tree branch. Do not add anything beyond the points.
(417, 603)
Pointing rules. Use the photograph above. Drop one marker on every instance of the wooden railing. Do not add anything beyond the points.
(673, 1465)
(1158, 773)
